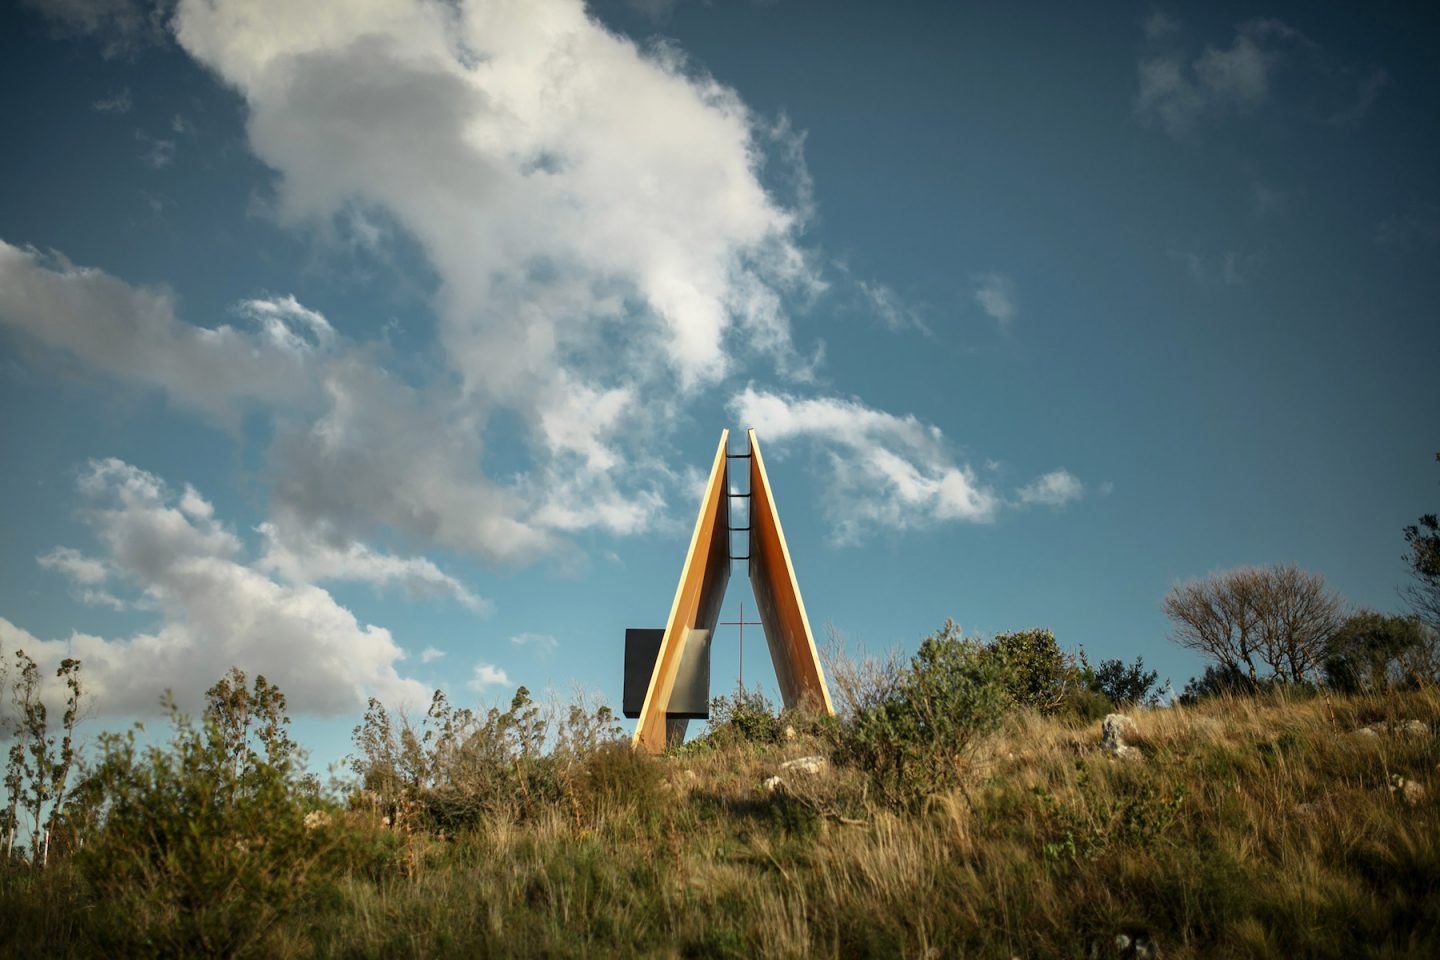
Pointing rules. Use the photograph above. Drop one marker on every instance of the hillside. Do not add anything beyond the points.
(1237, 827)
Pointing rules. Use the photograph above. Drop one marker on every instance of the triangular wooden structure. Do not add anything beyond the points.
(701, 592)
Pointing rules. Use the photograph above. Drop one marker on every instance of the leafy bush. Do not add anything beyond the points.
(1372, 651)
(911, 743)
(1121, 683)
(1036, 671)
(745, 716)
(201, 846)
(1085, 705)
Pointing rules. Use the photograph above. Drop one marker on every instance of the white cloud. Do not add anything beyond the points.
(1054, 489)
(215, 610)
(890, 307)
(996, 296)
(487, 675)
(83, 570)
(553, 171)
(541, 641)
(86, 574)
(431, 654)
(301, 556)
(133, 333)
(594, 212)
(884, 471)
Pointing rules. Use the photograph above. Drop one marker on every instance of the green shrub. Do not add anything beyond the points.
(1085, 705)
(1121, 683)
(1372, 651)
(199, 849)
(1036, 671)
(615, 775)
(911, 743)
(745, 716)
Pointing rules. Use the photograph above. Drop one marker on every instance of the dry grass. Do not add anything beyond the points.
(1248, 828)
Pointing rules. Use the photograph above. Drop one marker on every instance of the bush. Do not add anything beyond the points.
(912, 742)
(745, 716)
(199, 850)
(1086, 705)
(460, 768)
(1036, 671)
(1123, 684)
(1372, 651)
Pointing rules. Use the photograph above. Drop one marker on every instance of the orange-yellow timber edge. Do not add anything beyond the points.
(701, 592)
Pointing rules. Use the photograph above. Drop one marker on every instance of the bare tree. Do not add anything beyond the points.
(1262, 621)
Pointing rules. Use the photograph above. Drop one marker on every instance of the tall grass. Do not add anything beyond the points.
(1249, 827)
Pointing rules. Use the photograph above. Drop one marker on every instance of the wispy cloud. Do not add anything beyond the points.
(1054, 489)
(890, 308)
(431, 654)
(1182, 94)
(995, 293)
(540, 641)
(117, 102)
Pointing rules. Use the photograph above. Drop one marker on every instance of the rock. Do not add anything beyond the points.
(788, 733)
(806, 764)
(772, 784)
(1409, 791)
(1406, 728)
(1112, 735)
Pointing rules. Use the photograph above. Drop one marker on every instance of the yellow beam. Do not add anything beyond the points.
(782, 612)
(697, 599)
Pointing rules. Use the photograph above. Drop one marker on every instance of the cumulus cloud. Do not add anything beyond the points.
(86, 576)
(1054, 489)
(555, 173)
(215, 610)
(133, 333)
(304, 557)
(355, 448)
(884, 471)
(995, 294)
(487, 675)
(595, 214)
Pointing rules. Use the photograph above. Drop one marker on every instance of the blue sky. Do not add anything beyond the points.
(383, 351)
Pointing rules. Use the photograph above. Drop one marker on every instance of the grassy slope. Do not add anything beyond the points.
(1248, 828)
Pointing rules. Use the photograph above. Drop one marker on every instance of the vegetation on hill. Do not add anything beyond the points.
(962, 805)
(1000, 798)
